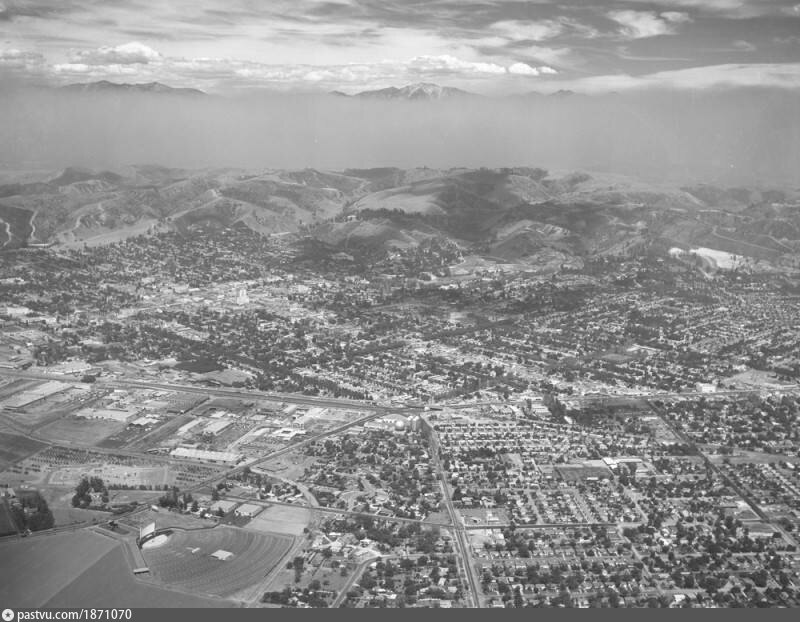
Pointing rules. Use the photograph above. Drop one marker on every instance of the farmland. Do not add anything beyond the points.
(29, 574)
(81, 431)
(14, 447)
(6, 522)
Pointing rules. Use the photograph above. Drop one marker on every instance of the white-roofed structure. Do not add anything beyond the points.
(248, 510)
(205, 455)
(222, 555)
(215, 427)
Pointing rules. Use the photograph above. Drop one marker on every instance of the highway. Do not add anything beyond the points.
(461, 539)
(243, 394)
(375, 411)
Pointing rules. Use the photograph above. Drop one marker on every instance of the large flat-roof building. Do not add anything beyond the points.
(205, 455)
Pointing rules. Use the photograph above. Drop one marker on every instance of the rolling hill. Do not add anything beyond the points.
(511, 214)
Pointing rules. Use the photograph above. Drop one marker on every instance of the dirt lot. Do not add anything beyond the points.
(290, 466)
(281, 519)
(79, 430)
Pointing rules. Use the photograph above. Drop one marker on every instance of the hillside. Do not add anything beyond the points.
(519, 215)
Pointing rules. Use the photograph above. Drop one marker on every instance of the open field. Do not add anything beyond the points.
(6, 522)
(165, 519)
(741, 456)
(291, 465)
(112, 474)
(75, 516)
(34, 570)
(16, 386)
(185, 560)
(281, 519)
(79, 430)
(109, 583)
(38, 414)
(14, 447)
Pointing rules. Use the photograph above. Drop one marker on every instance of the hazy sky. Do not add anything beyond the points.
(720, 135)
(488, 46)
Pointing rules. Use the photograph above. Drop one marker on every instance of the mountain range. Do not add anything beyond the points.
(104, 86)
(518, 215)
(420, 91)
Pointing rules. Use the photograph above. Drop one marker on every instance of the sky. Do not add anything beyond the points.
(493, 47)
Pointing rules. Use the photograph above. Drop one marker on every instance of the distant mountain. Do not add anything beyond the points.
(104, 86)
(419, 91)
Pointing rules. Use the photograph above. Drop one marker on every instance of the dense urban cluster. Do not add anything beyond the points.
(423, 429)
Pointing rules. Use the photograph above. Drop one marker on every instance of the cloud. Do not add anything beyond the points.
(516, 30)
(21, 66)
(18, 59)
(447, 64)
(127, 54)
(11, 10)
(676, 17)
(549, 55)
(223, 74)
(744, 46)
(643, 24)
(734, 9)
(774, 75)
(541, 30)
(523, 69)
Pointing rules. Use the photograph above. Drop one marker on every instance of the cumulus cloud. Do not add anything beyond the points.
(524, 69)
(445, 64)
(127, 54)
(212, 73)
(13, 58)
(643, 24)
